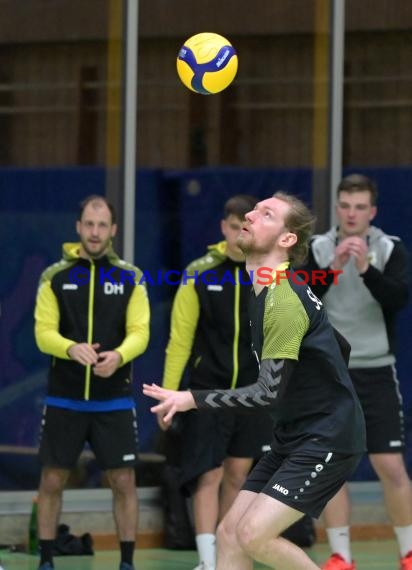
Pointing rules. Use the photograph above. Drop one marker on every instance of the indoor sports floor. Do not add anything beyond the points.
(369, 555)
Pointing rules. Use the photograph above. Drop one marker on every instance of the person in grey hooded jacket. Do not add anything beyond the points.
(362, 294)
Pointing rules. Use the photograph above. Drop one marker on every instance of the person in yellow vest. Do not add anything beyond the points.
(93, 322)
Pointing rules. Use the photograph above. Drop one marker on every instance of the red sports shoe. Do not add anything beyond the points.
(336, 562)
(406, 562)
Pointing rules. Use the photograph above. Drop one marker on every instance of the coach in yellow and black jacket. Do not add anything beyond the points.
(94, 301)
(210, 328)
(92, 318)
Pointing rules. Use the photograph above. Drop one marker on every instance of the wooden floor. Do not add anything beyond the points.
(369, 555)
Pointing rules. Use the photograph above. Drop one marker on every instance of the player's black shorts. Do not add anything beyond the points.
(112, 437)
(305, 480)
(381, 401)
(209, 437)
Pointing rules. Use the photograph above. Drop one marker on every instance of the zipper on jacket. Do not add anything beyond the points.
(90, 328)
(236, 319)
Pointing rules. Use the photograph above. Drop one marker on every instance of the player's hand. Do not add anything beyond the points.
(164, 426)
(342, 255)
(358, 248)
(171, 401)
(108, 362)
(84, 353)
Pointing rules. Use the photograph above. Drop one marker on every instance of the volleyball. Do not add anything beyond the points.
(207, 63)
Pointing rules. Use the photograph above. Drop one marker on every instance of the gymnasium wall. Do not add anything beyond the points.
(177, 215)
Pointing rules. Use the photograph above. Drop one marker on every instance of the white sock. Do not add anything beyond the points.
(404, 536)
(206, 548)
(339, 541)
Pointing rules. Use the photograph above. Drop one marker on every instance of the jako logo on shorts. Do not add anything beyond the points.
(281, 489)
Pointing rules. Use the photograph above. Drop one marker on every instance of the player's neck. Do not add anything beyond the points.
(255, 264)
(83, 254)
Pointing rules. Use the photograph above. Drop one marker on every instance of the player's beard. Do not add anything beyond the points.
(249, 246)
(97, 252)
(244, 244)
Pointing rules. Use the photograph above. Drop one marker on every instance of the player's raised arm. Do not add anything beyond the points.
(261, 394)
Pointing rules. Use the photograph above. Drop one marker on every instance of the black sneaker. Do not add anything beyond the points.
(126, 566)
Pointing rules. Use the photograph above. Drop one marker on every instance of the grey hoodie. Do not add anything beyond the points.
(362, 307)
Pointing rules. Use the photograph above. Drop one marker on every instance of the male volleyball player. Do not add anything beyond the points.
(319, 431)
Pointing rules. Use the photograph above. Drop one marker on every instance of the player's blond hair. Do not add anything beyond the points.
(300, 221)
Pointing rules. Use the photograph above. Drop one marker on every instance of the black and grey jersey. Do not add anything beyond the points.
(303, 378)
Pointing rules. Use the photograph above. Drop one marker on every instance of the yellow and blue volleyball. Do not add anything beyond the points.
(207, 63)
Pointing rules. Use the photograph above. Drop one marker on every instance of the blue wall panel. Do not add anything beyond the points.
(203, 192)
(177, 215)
